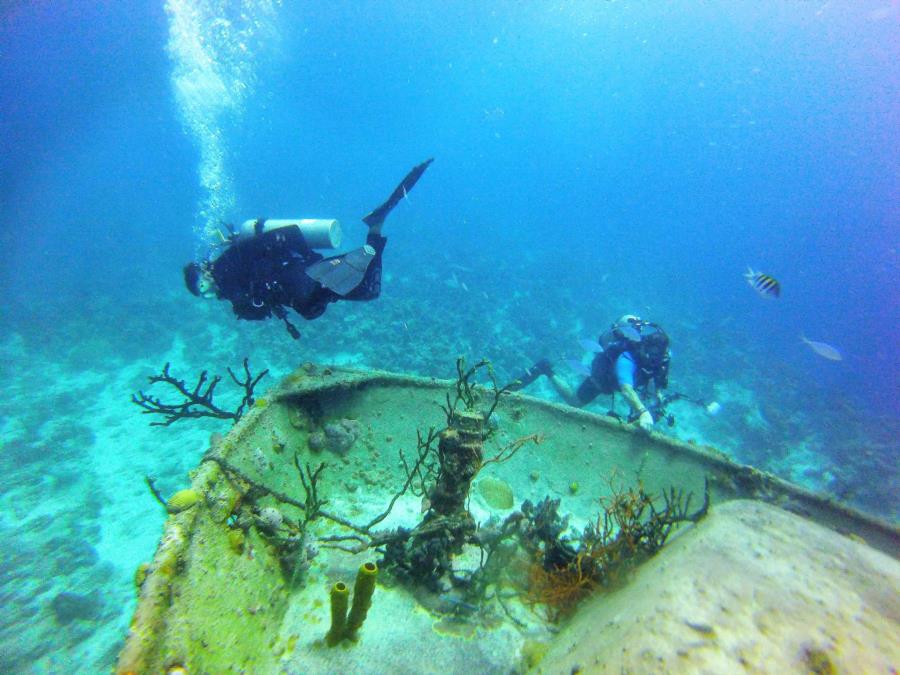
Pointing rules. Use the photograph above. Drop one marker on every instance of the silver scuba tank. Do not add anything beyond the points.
(318, 232)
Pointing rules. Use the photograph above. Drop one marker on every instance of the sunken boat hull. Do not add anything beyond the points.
(219, 598)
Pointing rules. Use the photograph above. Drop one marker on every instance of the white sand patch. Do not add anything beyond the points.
(350, 360)
(398, 636)
(127, 449)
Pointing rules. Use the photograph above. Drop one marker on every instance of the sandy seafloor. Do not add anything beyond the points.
(77, 517)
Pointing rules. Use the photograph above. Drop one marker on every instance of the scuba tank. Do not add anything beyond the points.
(317, 232)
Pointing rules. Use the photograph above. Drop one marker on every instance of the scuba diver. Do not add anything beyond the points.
(270, 265)
(631, 357)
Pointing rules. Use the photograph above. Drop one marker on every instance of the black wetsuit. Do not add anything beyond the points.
(645, 367)
(605, 379)
(266, 273)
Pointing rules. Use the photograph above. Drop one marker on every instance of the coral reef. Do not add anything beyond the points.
(541, 526)
(269, 520)
(337, 436)
(290, 538)
(430, 554)
(197, 402)
(629, 529)
(68, 607)
(423, 555)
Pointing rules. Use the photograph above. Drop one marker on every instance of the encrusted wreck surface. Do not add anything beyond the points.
(751, 588)
(234, 587)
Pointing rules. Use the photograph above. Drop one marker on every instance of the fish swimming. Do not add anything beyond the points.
(767, 286)
(823, 350)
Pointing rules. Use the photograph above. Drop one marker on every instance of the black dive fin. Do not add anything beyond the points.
(378, 215)
(542, 367)
(343, 273)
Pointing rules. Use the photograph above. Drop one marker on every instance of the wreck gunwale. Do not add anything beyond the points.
(307, 382)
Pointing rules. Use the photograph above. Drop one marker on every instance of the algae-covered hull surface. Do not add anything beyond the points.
(242, 580)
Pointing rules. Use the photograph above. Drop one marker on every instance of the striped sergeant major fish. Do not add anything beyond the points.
(764, 284)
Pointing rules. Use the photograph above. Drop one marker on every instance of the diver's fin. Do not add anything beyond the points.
(376, 217)
(343, 273)
(541, 367)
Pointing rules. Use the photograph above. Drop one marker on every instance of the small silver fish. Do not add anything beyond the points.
(823, 350)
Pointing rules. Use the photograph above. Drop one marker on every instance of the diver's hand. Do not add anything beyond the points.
(645, 421)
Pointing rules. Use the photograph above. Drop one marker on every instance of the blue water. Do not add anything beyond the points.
(591, 159)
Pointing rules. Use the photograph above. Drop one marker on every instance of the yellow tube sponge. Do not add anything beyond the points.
(182, 500)
(362, 598)
(339, 597)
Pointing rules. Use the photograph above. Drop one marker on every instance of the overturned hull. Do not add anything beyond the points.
(229, 590)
